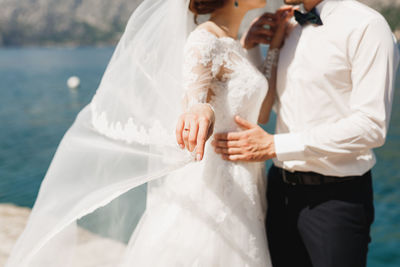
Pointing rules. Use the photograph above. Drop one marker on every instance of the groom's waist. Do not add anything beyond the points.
(348, 165)
(311, 178)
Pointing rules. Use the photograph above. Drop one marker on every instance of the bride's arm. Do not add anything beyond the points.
(270, 71)
(196, 124)
(269, 67)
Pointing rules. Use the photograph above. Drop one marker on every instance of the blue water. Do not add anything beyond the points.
(36, 108)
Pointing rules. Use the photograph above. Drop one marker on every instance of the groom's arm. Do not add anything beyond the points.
(374, 59)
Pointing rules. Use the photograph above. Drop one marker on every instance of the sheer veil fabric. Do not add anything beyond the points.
(92, 195)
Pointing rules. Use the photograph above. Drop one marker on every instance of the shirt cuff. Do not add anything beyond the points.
(289, 146)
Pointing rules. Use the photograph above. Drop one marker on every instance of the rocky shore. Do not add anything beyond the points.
(71, 22)
(12, 222)
(99, 22)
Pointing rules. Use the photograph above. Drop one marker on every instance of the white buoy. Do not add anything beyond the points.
(73, 82)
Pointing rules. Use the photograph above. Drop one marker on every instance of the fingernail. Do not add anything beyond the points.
(198, 157)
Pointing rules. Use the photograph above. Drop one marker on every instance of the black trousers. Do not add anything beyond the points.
(319, 225)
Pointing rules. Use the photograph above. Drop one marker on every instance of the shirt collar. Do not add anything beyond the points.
(325, 8)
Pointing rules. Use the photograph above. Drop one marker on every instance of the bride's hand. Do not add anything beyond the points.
(270, 29)
(261, 31)
(281, 18)
(194, 127)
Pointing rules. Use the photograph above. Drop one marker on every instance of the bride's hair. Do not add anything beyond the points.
(201, 7)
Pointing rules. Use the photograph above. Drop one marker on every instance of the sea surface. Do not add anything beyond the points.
(36, 109)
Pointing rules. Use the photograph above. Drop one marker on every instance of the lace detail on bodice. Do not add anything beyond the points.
(217, 70)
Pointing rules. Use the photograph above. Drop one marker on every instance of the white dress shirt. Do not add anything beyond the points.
(335, 89)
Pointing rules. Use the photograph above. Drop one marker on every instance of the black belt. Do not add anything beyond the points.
(311, 178)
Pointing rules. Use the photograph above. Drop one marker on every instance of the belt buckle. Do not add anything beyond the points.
(285, 178)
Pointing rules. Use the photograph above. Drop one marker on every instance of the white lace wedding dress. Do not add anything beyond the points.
(209, 213)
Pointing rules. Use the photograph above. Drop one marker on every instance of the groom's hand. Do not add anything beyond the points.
(251, 144)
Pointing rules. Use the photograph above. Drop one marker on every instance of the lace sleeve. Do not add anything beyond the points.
(270, 62)
(198, 67)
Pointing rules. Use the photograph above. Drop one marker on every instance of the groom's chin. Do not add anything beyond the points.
(293, 2)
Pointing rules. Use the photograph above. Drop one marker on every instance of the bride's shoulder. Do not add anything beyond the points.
(210, 27)
(206, 30)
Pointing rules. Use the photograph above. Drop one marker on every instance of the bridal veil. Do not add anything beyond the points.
(94, 191)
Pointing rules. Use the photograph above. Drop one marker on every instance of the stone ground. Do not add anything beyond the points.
(13, 220)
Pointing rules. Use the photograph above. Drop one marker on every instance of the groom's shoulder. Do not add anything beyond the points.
(359, 23)
(355, 14)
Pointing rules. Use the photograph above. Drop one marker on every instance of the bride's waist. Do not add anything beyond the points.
(226, 128)
(227, 123)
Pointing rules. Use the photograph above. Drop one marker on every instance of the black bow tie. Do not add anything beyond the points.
(310, 17)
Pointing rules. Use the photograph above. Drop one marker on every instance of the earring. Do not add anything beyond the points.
(236, 3)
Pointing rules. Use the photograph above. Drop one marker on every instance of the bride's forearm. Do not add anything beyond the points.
(270, 71)
(269, 100)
